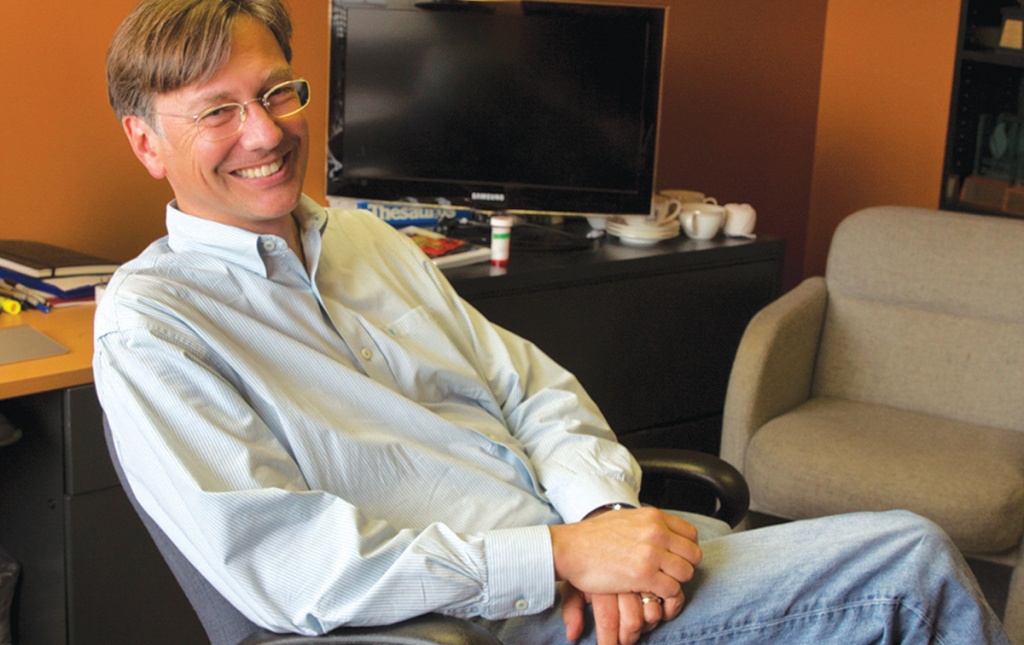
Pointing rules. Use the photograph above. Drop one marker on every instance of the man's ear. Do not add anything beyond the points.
(146, 144)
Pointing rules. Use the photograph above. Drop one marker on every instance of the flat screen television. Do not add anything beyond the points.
(548, 107)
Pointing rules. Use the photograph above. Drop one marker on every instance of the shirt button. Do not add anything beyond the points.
(367, 354)
(522, 604)
(269, 245)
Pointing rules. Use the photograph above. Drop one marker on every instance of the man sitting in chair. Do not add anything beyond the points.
(333, 437)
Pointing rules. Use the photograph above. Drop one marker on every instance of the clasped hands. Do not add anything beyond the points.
(613, 560)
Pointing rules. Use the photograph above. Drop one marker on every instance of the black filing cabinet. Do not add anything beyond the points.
(90, 573)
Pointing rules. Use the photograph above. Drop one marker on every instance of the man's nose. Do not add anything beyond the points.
(259, 129)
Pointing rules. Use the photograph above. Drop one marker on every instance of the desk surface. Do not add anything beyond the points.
(69, 326)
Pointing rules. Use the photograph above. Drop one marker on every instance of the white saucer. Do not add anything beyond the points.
(642, 235)
(639, 241)
(636, 231)
(664, 229)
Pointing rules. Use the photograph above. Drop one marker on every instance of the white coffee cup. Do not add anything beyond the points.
(702, 221)
(664, 209)
(739, 220)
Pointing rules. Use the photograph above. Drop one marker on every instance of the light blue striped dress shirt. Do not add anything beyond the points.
(349, 445)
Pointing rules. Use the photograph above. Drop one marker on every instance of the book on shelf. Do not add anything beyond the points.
(42, 260)
(446, 251)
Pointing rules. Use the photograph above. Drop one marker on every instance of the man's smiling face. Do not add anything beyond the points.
(253, 179)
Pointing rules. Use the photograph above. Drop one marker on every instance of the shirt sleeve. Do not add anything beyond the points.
(229, 494)
(569, 444)
(574, 452)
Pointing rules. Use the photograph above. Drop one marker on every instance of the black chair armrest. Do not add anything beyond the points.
(432, 629)
(709, 471)
(9, 433)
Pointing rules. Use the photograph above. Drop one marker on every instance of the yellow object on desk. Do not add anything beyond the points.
(10, 305)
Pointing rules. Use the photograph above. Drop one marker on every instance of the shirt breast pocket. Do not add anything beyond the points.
(428, 364)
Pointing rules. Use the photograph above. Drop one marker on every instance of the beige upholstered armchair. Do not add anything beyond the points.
(895, 381)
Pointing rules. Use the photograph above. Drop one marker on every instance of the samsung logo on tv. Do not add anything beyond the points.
(489, 197)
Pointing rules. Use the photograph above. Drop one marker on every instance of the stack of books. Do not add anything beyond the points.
(446, 252)
(42, 276)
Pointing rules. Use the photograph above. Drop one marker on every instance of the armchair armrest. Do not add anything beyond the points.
(774, 365)
(432, 629)
(728, 485)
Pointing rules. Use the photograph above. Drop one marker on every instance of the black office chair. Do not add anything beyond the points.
(225, 625)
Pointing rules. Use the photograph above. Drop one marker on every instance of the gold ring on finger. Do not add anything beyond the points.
(647, 599)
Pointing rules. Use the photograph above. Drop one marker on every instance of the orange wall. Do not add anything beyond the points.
(744, 119)
(739, 103)
(805, 113)
(887, 74)
(69, 177)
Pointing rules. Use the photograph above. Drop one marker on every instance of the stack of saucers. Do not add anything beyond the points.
(641, 231)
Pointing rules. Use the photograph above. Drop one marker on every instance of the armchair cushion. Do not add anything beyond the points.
(840, 456)
(946, 364)
(926, 312)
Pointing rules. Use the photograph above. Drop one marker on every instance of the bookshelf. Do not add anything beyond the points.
(984, 160)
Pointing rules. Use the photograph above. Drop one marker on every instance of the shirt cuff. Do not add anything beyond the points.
(520, 572)
(574, 502)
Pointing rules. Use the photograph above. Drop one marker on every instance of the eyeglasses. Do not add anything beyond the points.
(224, 121)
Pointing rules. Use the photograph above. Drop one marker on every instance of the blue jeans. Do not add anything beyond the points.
(861, 578)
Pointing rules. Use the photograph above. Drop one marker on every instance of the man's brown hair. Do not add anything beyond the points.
(164, 45)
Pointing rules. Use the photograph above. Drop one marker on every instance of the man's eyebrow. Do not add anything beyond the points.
(280, 75)
(202, 101)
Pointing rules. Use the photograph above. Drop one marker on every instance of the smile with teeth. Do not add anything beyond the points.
(261, 171)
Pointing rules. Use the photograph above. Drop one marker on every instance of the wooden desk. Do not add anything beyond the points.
(69, 326)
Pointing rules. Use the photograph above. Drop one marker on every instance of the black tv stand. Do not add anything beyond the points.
(544, 235)
(650, 332)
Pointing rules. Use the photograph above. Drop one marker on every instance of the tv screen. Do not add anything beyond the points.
(496, 106)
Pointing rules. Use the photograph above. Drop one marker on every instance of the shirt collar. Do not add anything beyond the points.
(187, 233)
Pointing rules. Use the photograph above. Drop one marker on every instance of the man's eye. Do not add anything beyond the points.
(281, 95)
(218, 115)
